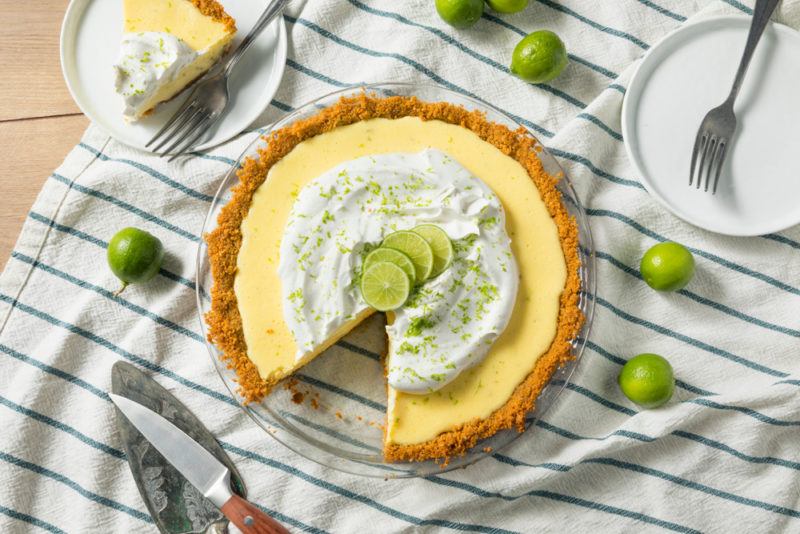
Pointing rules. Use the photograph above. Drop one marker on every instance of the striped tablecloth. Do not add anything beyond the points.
(723, 456)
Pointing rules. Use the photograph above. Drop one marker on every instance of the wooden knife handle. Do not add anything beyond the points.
(249, 519)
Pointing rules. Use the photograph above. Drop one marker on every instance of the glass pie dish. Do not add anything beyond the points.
(318, 413)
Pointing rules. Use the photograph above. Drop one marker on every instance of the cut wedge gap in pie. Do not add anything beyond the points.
(166, 45)
(471, 349)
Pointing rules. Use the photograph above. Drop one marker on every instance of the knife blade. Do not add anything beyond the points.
(198, 466)
(175, 505)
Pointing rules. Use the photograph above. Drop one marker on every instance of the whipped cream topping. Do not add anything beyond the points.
(449, 322)
(147, 62)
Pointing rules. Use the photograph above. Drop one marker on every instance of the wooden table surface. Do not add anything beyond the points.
(39, 122)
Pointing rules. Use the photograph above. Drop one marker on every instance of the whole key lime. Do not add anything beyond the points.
(647, 380)
(507, 6)
(460, 13)
(539, 57)
(667, 266)
(134, 256)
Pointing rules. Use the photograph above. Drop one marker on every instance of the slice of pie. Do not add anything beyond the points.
(166, 45)
(470, 351)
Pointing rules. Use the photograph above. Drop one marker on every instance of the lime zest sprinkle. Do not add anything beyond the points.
(418, 324)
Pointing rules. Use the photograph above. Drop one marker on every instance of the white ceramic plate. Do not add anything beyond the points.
(90, 39)
(678, 82)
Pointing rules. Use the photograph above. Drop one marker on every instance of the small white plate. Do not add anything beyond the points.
(691, 71)
(90, 39)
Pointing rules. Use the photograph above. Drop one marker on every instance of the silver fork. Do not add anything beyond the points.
(719, 125)
(209, 98)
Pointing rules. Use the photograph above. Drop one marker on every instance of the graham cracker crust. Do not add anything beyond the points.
(224, 320)
(213, 9)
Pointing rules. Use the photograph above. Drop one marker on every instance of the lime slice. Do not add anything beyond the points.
(385, 286)
(440, 244)
(416, 248)
(392, 256)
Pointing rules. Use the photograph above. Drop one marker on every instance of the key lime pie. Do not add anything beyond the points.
(166, 45)
(428, 212)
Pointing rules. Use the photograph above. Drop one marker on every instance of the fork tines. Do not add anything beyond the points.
(711, 149)
(185, 128)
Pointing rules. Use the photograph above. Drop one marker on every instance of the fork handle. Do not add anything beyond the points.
(273, 10)
(761, 13)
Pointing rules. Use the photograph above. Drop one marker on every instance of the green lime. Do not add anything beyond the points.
(667, 266)
(416, 248)
(392, 256)
(385, 286)
(460, 13)
(134, 256)
(647, 380)
(539, 57)
(507, 6)
(440, 244)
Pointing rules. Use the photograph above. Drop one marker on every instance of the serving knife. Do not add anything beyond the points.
(198, 466)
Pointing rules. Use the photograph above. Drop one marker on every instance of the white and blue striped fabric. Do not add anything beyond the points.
(723, 456)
